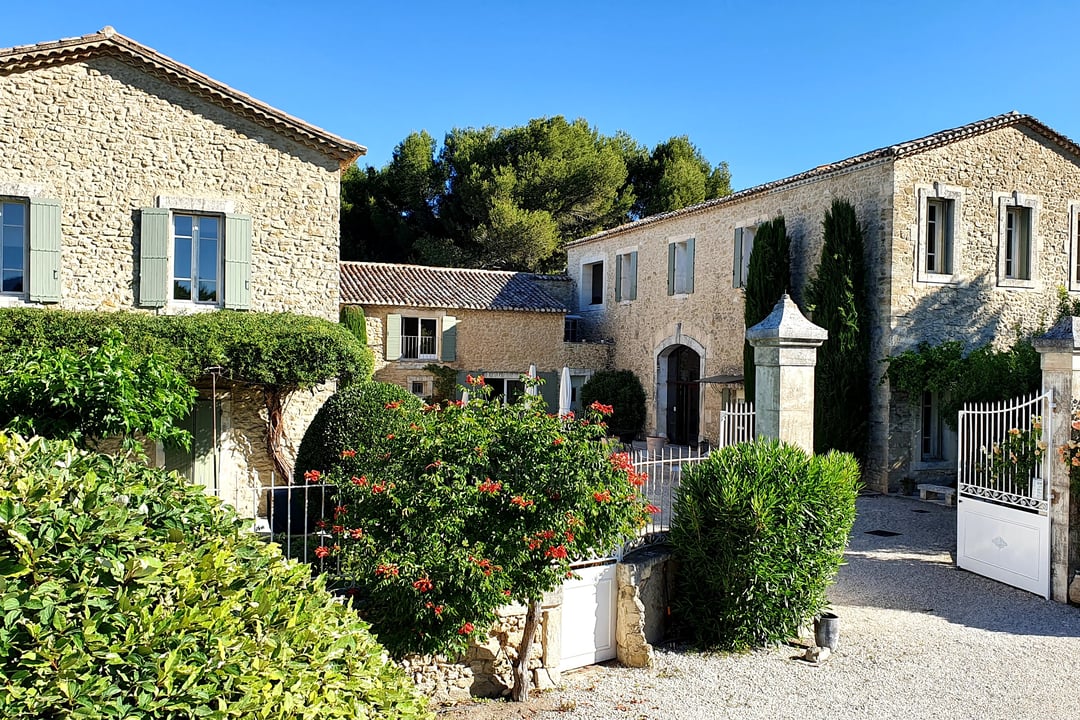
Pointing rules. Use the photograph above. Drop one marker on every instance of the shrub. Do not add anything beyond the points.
(353, 418)
(622, 390)
(352, 317)
(465, 508)
(759, 530)
(129, 593)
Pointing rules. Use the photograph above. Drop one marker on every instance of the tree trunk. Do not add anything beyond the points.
(275, 430)
(522, 677)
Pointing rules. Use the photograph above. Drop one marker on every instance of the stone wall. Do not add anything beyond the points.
(106, 139)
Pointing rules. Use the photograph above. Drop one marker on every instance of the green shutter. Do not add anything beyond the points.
(736, 273)
(393, 337)
(449, 338)
(631, 292)
(671, 269)
(690, 265)
(237, 262)
(618, 277)
(153, 257)
(44, 250)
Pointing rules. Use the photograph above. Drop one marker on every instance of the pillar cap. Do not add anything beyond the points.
(1063, 336)
(786, 325)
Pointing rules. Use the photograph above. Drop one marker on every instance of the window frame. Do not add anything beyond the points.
(626, 274)
(744, 244)
(23, 293)
(436, 341)
(1013, 205)
(934, 447)
(683, 265)
(1074, 246)
(586, 292)
(219, 280)
(949, 200)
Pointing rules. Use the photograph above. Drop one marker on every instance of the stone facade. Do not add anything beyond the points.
(981, 168)
(108, 128)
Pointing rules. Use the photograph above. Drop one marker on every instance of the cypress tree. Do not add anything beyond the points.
(767, 279)
(837, 301)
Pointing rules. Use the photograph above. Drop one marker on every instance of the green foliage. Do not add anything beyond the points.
(984, 375)
(768, 277)
(513, 197)
(275, 349)
(467, 507)
(352, 317)
(837, 301)
(353, 418)
(445, 383)
(129, 593)
(759, 530)
(1010, 464)
(1069, 453)
(86, 396)
(622, 390)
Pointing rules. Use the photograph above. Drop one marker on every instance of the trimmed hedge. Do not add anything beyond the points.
(759, 530)
(352, 419)
(128, 593)
(622, 390)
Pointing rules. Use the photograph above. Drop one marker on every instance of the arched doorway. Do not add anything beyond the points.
(683, 365)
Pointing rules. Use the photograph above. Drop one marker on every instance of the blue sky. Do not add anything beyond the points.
(773, 88)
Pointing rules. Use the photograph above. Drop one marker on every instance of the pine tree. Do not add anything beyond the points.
(837, 301)
(767, 279)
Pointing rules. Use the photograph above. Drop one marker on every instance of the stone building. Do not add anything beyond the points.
(479, 322)
(129, 181)
(969, 232)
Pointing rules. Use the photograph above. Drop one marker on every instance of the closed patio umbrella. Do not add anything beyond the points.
(564, 391)
(533, 388)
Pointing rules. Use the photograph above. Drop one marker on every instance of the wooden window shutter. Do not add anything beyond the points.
(238, 262)
(618, 277)
(631, 292)
(449, 338)
(393, 337)
(736, 274)
(690, 265)
(44, 283)
(153, 256)
(671, 269)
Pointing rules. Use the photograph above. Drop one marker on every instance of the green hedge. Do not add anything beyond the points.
(280, 349)
(759, 530)
(128, 593)
(622, 390)
(350, 420)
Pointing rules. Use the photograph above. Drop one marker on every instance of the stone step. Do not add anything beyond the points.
(944, 493)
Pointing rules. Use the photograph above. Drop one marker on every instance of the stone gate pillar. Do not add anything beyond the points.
(785, 353)
(1059, 351)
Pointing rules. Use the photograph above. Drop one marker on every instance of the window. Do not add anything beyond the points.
(13, 260)
(572, 329)
(421, 387)
(504, 389)
(936, 235)
(626, 276)
(418, 338)
(196, 258)
(930, 430)
(1074, 245)
(592, 283)
(681, 267)
(1018, 242)
(744, 245)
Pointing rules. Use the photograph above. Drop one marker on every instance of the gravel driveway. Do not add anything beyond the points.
(919, 639)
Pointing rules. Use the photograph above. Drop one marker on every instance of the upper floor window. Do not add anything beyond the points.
(1018, 241)
(592, 283)
(196, 258)
(937, 246)
(744, 245)
(1074, 245)
(626, 276)
(418, 338)
(681, 267)
(13, 260)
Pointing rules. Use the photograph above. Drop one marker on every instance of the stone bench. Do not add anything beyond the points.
(946, 494)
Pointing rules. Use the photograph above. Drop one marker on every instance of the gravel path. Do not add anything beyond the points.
(919, 639)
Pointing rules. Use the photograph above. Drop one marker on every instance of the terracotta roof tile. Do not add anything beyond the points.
(364, 283)
(108, 42)
(905, 149)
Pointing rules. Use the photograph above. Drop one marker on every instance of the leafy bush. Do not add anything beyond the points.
(128, 593)
(86, 396)
(759, 530)
(354, 418)
(352, 317)
(622, 390)
(466, 507)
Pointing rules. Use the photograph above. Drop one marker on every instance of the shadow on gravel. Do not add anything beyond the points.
(915, 571)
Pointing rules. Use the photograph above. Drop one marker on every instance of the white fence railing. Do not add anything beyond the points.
(1002, 451)
(736, 423)
(663, 470)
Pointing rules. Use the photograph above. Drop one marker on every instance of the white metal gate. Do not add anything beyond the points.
(588, 614)
(1003, 509)
(736, 423)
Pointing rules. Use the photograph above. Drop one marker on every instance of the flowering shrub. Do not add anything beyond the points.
(1069, 453)
(1010, 463)
(467, 506)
